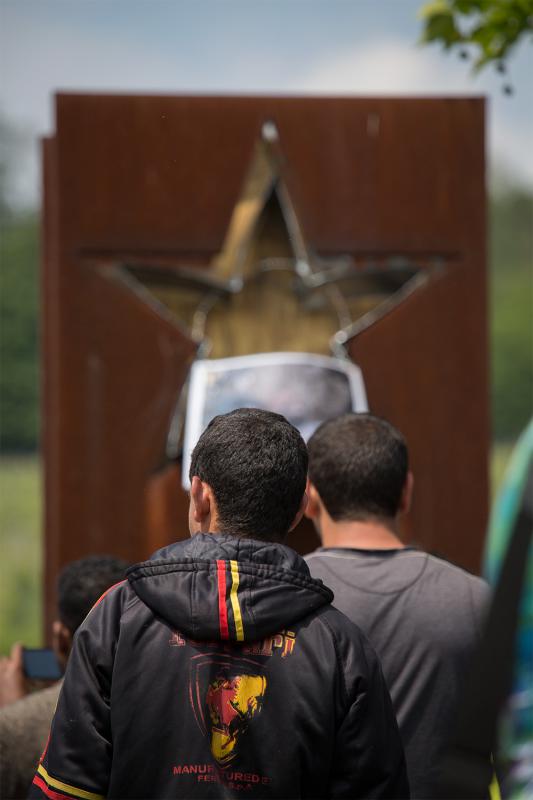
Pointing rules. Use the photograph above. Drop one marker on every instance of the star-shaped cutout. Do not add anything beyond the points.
(267, 290)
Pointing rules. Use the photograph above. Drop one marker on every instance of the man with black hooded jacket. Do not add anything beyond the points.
(219, 667)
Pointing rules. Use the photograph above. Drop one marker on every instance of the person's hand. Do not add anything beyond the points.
(12, 679)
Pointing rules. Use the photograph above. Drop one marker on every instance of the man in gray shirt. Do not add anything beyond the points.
(422, 615)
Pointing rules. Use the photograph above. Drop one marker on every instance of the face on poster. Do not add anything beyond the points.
(307, 389)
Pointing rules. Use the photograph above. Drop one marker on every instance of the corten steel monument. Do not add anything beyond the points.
(379, 204)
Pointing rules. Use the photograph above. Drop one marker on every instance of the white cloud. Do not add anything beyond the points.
(379, 67)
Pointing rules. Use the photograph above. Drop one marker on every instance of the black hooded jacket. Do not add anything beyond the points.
(220, 669)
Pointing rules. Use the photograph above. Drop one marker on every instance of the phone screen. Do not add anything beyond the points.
(41, 663)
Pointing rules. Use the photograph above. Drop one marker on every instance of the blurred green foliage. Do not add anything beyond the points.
(21, 562)
(486, 30)
(19, 286)
(511, 310)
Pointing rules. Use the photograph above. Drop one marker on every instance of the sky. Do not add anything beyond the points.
(354, 47)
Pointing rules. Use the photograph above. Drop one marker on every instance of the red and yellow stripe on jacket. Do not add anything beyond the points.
(59, 790)
(228, 580)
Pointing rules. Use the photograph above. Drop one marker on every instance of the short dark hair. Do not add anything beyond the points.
(81, 583)
(256, 464)
(358, 464)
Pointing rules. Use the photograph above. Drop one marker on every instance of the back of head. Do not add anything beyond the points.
(256, 464)
(81, 583)
(358, 463)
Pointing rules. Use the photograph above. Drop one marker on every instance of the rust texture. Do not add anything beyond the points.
(155, 180)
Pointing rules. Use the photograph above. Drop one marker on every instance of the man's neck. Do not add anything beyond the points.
(359, 534)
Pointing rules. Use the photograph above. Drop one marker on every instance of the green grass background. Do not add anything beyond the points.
(21, 552)
(21, 557)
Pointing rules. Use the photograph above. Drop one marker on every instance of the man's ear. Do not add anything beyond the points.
(203, 510)
(301, 510)
(313, 504)
(407, 494)
(61, 642)
(200, 500)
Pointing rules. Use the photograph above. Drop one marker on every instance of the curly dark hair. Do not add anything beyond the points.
(81, 583)
(256, 464)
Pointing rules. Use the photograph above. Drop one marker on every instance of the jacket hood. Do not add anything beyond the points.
(214, 587)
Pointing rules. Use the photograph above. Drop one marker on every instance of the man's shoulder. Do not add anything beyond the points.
(453, 575)
(109, 610)
(337, 622)
(30, 710)
(24, 726)
(433, 569)
(117, 598)
(348, 638)
(423, 583)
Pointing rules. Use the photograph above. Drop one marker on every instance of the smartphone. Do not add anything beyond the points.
(41, 664)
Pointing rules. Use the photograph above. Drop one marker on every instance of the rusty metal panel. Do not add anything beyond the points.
(154, 180)
(365, 173)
